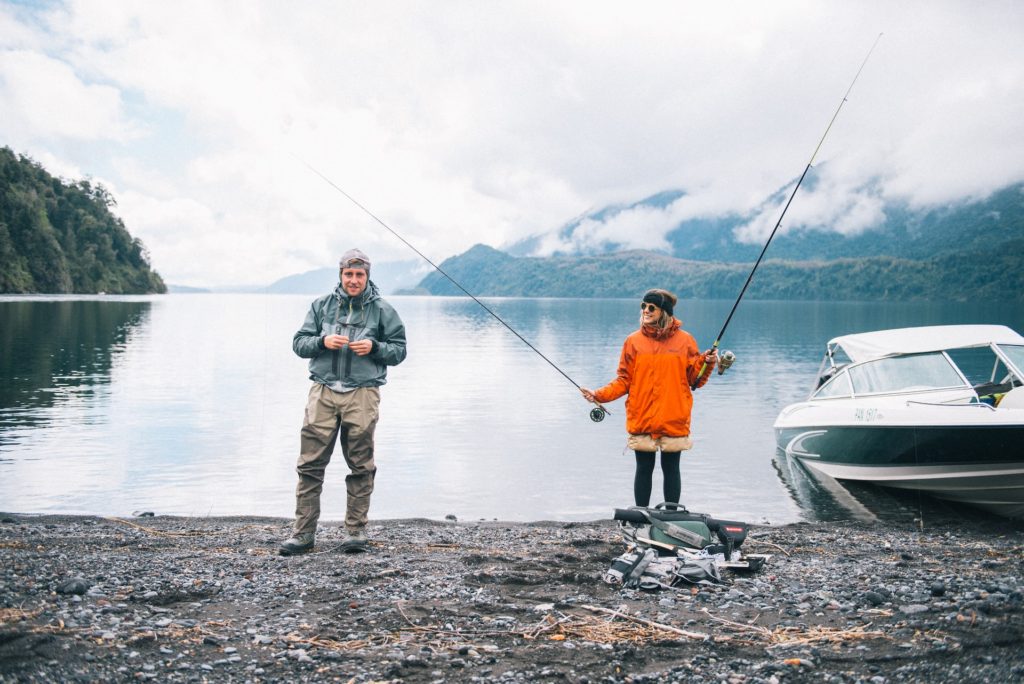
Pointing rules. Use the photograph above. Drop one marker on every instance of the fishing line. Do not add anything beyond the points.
(596, 414)
(789, 201)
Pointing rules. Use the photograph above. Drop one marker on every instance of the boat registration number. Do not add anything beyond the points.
(867, 415)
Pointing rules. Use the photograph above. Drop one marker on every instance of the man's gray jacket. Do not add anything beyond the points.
(366, 316)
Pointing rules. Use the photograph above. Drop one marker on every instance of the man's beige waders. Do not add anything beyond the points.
(348, 417)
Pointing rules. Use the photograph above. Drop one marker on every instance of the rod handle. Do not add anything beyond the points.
(703, 368)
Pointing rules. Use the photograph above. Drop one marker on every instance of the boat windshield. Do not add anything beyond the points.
(838, 386)
(1014, 352)
(911, 373)
(984, 369)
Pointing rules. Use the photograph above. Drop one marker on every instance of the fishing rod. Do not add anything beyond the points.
(778, 223)
(597, 414)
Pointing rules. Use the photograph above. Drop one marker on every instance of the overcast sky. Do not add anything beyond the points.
(477, 121)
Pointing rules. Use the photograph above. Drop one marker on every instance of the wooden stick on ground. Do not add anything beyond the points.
(649, 623)
(763, 631)
(765, 542)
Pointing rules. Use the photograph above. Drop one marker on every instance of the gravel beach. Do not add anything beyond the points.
(209, 600)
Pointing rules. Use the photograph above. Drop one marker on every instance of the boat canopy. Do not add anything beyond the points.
(875, 345)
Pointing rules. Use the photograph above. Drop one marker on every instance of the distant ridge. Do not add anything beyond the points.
(186, 289)
(903, 231)
(962, 251)
(311, 282)
(389, 276)
(996, 275)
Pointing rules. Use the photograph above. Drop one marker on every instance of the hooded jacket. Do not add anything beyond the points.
(366, 316)
(656, 375)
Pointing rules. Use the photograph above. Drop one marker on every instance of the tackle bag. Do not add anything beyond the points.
(674, 528)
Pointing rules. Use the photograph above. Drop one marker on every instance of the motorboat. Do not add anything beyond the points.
(938, 409)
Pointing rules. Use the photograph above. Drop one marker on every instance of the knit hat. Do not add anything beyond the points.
(355, 258)
(659, 300)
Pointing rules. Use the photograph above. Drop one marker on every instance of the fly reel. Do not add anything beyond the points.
(726, 361)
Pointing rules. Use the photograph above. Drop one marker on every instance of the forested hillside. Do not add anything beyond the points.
(963, 251)
(60, 236)
(996, 274)
(901, 231)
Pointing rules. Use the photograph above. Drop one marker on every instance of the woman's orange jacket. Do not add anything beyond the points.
(656, 375)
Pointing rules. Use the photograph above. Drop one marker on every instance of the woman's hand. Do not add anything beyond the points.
(588, 395)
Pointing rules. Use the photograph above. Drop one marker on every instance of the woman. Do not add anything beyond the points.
(659, 365)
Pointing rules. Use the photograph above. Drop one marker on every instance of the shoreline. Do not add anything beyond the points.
(207, 599)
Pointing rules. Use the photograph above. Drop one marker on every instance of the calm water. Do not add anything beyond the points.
(191, 405)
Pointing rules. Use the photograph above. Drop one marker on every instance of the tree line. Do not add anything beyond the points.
(60, 236)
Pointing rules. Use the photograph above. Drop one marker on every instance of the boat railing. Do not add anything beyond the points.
(976, 404)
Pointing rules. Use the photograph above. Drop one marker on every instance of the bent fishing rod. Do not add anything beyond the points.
(596, 414)
(778, 223)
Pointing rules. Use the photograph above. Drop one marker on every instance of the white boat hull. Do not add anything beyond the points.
(969, 454)
(992, 487)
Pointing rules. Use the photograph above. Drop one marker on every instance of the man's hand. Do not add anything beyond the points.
(361, 347)
(335, 341)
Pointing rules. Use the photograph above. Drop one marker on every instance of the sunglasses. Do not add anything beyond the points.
(647, 306)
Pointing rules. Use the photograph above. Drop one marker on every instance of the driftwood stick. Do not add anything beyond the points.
(649, 623)
(765, 542)
(764, 631)
(159, 533)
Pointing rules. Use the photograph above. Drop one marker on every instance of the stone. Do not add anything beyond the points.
(914, 609)
(75, 585)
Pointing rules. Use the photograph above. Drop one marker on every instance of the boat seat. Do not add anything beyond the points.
(1014, 399)
(993, 388)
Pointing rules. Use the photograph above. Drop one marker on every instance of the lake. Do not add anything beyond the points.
(191, 405)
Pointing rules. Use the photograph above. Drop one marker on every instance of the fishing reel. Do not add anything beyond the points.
(598, 413)
(725, 360)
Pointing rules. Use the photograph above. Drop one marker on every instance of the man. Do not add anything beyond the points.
(350, 337)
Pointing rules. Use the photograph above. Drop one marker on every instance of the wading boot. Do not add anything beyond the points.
(296, 544)
(354, 542)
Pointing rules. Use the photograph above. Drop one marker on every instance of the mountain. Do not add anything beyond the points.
(994, 274)
(59, 236)
(531, 245)
(904, 232)
(187, 289)
(389, 276)
(962, 251)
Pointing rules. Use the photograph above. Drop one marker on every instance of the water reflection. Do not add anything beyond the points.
(192, 405)
(53, 352)
(822, 498)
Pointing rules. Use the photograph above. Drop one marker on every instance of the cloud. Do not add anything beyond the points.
(42, 98)
(467, 123)
(641, 228)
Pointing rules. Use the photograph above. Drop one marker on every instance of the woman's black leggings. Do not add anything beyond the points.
(645, 470)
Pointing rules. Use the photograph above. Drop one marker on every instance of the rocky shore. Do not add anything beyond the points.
(208, 600)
